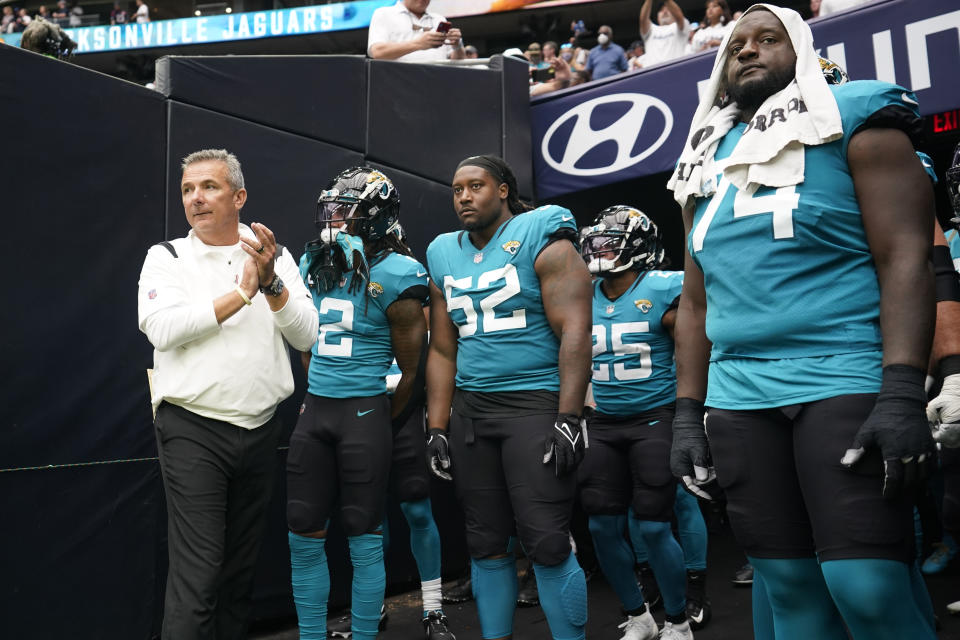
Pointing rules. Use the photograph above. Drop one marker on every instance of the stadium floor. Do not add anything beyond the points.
(731, 607)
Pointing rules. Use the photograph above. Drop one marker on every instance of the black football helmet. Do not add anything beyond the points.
(952, 181)
(362, 198)
(621, 238)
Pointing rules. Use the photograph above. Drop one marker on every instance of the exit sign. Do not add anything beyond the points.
(946, 121)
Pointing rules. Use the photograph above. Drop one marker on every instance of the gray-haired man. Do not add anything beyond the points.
(221, 367)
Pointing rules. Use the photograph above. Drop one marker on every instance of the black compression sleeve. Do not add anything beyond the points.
(947, 281)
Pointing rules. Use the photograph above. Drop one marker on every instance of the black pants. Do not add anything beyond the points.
(505, 488)
(218, 480)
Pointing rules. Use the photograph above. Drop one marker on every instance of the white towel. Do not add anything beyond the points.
(765, 155)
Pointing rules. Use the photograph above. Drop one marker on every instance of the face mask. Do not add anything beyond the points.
(603, 38)
(566, 55)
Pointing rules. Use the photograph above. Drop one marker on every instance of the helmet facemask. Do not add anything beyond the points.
(952, 182)
(621, 238)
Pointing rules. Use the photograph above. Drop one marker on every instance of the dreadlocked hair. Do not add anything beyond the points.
(501, 171)
(388, 243)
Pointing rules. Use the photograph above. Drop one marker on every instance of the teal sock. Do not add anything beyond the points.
(616, 558)
(369, 582)
(762, 613)
(666, 560)
(798, 596)
(692, 530)
(922, 597)
(424, 537)
(495, 590)
(563, 598)
(310, 578)
(870, 595)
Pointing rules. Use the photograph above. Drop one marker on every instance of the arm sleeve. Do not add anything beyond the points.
(379, 29)
(166, 313)
(298, 320)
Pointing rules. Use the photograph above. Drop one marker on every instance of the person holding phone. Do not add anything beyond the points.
(407, 31)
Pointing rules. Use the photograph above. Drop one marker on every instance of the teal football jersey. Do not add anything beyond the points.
(792, 293)
(633, 366)
(953, 241)
(493, 297)
(354, 351)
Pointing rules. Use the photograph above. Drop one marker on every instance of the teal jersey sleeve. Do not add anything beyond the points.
(397, 276)
(633, 364)
(354, 351)
(865, 104)
(492, 295)
(953, 241)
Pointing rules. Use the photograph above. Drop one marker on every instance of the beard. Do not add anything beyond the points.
(751, 93)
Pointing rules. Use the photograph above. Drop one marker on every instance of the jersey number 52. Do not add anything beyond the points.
(517, 319)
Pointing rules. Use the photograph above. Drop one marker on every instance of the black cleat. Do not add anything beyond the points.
(342, 627)
(460, 591)
(744, 576)
(527, 593)
(649, 587)
(435, 626)
(698, 604)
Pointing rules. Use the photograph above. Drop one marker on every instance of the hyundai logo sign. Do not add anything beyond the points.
(607, 134)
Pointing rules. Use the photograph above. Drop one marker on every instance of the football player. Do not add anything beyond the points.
(507, 370)
(627, 467)
(808, 303)
(943, 412)
(370, 294)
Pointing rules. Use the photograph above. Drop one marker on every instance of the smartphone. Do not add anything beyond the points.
(443, 27)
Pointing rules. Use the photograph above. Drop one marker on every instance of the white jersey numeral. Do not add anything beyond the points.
(781, 204)
(601, 371)
(345, 346)
(511, 287)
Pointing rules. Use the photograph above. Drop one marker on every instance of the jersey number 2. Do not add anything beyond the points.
(345, 346)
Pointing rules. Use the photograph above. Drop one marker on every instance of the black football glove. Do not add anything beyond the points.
(566, 443)
(690, 453)
(438, 453)
(898, 427)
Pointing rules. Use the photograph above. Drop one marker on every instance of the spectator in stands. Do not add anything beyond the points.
(43, 13)
(8, 20)
(535, 56)
(407, 31)
(118, 15)
(62, 12)
(75, 18)
(142, 14)
(814, 8)
(635, 55)
(566, 52)
(470, 52)
(216, 387)
(22, 22)
(607, 58)
(667, 40)
(549, 51)
(716, 23)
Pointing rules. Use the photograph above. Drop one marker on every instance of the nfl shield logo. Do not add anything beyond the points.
(609, 308)
(152, 294)
(477, 258)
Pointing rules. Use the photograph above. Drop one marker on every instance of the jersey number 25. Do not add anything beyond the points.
(601, 371)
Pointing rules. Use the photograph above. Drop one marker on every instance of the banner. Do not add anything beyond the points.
(221, 28)
(635, 124)
(266, 24)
